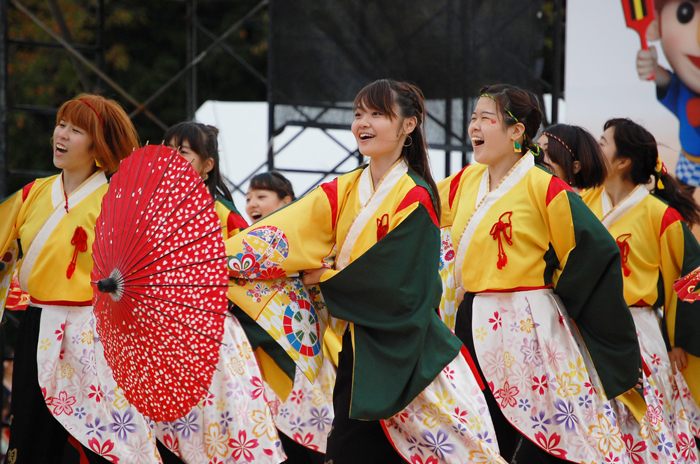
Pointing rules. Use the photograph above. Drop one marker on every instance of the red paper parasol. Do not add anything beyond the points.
(686, 287)
(160, 282)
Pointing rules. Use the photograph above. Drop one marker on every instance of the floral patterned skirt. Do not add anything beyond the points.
(665, 433)
(448, 422)
(307, 414)
(81, 392)
(234, 422)
(536, 371)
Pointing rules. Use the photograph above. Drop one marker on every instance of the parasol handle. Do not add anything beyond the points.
(108, 285)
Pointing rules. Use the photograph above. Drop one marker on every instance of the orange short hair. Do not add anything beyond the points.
(113, 134)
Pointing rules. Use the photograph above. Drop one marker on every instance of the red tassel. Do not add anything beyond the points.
(382, 227)
(624, 252)
(80, 241)
(503, 229)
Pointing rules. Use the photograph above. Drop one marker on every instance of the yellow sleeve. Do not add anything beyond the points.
(292, 239)
(680, 254)
(448, 189)
(9, 212)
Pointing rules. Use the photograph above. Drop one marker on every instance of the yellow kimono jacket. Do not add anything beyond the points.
(657, 249)
(534, 232)
(385, 281)
(48, 255)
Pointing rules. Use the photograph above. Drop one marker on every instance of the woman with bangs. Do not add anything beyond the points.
(404, 391)
(62, 385)
(529, 258)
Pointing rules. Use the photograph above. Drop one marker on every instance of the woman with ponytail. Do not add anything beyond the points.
(404, 391)
(530, 257)
(657, 248)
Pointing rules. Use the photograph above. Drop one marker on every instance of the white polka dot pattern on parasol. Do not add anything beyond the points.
(160, 282)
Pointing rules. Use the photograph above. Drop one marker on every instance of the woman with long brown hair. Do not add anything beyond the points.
(404, 391)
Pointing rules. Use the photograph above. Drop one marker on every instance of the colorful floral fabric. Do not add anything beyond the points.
(233, 423)
(537, 373)
(81, 393)
(448, 422)
(448, 302)
(307, 414)
(665, 434)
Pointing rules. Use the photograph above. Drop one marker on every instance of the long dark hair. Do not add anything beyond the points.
(634, 142)
(524, 106)
(275, 182)
(203, 141)
(382, 95)
(584, 149)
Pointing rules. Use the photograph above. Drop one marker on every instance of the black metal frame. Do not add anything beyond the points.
(463, 144)
(190, 73)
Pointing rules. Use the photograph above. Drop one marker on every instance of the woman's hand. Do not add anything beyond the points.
(679, 360)
(313, 276)
(640, 382)
(461, 291)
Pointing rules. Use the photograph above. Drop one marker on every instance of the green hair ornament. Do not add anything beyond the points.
(488, 95)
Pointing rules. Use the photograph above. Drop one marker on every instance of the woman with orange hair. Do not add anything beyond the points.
(62, 385)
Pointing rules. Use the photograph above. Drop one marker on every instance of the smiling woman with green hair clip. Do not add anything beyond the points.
(530, 258)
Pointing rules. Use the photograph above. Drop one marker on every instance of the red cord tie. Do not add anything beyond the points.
(80, 241)
(382, 227)
(624, 252)
(503, 229)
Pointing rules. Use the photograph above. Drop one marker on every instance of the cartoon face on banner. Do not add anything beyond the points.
(677, 27)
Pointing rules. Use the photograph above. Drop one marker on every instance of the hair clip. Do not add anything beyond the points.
(507, 110)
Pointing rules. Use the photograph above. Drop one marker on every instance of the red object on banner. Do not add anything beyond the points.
(639, 14)
(160, 282)
(686, 287)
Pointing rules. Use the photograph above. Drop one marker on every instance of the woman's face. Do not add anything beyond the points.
(492, 141)
(200, 165)
(376, 133)
(607, 145)
(260, 203)
(557, 170)
(71, 147)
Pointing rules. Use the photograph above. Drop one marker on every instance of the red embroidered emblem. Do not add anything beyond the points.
(382, 227)
(624, 252)
(501, 230)
(80, 241)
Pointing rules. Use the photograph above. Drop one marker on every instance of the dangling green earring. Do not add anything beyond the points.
(517, 147)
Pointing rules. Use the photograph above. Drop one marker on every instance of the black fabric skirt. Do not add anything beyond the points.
(353, 441)
(35, 435)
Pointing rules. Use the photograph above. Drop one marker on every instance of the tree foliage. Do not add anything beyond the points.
(144, 46)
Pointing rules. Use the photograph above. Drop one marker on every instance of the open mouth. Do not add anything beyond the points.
(61, 148)
(695, 60)
(366, 136)
(255, 216)
(477, 141)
